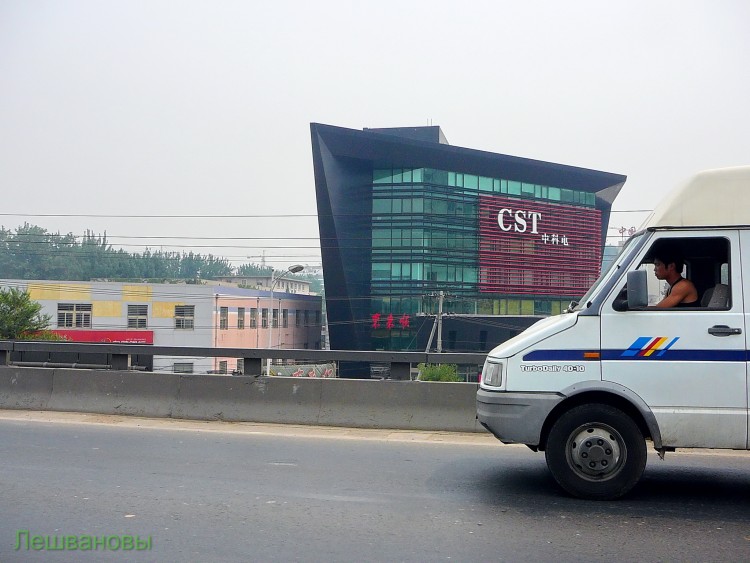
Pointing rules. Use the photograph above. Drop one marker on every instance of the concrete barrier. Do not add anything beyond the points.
(28, 389)
(239, 398)
(113, 392)
(399, 404)
(409, 405)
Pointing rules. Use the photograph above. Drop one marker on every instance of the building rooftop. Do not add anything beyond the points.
(429, 133)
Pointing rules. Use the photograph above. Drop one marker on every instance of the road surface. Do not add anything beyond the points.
(213, 491)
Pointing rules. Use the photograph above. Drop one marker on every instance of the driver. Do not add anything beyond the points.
(668, 266)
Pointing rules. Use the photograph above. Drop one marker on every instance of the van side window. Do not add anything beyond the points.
(705, 265)
(703, 261)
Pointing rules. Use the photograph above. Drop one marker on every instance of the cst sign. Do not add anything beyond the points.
(519, 221)
(522, 221)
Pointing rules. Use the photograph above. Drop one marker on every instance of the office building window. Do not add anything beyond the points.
(275, 318)
(297, 317)
(307, 317)
(317, 318)
(240, 317)
(482, 340)
(253, 317)
(74, 315)
(223, 318)
(184, 317)
(183, 367)
(223, 366)
(285, 318)
(137, 316)
(264, 318)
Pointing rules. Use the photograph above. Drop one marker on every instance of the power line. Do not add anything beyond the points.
(158, 216)
(108, 236)
(252, 247)
(247, 216)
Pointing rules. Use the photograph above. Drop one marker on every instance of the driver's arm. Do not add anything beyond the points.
(676, 296)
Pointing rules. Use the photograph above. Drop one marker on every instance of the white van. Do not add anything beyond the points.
(589, 386)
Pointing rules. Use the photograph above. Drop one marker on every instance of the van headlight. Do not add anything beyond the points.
(492, 374)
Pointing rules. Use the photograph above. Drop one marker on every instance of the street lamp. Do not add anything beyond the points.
(294, 269)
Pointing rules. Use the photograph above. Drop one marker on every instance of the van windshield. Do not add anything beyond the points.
(623, 256)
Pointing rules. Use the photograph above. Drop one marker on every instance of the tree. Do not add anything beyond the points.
(19, 314)
(32, 253)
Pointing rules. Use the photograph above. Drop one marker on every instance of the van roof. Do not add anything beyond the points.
(712, 198)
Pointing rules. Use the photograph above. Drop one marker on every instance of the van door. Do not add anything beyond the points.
(688, 364)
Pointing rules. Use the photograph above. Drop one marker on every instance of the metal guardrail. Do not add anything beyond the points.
(119, 354)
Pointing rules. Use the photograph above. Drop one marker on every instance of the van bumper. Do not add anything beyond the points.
(515, 418)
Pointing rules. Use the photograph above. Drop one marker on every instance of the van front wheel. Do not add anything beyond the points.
(596, 452)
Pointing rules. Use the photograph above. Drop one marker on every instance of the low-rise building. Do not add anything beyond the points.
(282, 283)
(207, 315)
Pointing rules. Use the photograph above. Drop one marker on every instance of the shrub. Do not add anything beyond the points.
(439, 372)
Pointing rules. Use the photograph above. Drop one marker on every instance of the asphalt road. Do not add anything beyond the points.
(244, 492)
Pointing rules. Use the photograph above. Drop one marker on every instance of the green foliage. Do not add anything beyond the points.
(19, 315)
(33, 253)
(439, 372)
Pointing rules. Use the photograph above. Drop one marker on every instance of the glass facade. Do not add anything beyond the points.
(425, 238)
(481, 184)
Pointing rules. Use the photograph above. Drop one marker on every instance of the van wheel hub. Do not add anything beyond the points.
(594, 451)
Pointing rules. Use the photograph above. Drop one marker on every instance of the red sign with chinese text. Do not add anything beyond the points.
(107, 336)
(390, 321)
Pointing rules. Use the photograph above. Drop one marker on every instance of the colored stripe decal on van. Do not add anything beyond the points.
(654, 346)
(665, 354)
(636, 347)
(645, 346)
(679, 355)
(668, 346)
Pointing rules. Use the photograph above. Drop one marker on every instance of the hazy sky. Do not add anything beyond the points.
(190, 107)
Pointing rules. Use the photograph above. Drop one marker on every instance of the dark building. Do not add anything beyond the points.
(403, 216)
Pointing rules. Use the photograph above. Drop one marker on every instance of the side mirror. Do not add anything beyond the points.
(637, 289)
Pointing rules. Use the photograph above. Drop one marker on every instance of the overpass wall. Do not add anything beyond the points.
(408, 405)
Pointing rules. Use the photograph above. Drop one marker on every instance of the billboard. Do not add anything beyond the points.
(532, 247)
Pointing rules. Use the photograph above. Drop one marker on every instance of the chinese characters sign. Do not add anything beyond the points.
(389, 322)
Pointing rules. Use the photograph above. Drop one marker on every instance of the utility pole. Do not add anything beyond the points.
(441, 295)
(438, 323)
(432, 333)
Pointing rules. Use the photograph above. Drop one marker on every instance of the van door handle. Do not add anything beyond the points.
(723, 330)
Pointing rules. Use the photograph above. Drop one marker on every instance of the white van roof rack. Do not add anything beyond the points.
(718, 197)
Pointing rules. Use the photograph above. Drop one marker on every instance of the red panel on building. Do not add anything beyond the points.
(108, 336)
(530, 247)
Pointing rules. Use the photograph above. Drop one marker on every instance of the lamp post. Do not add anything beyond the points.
(294, 269)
